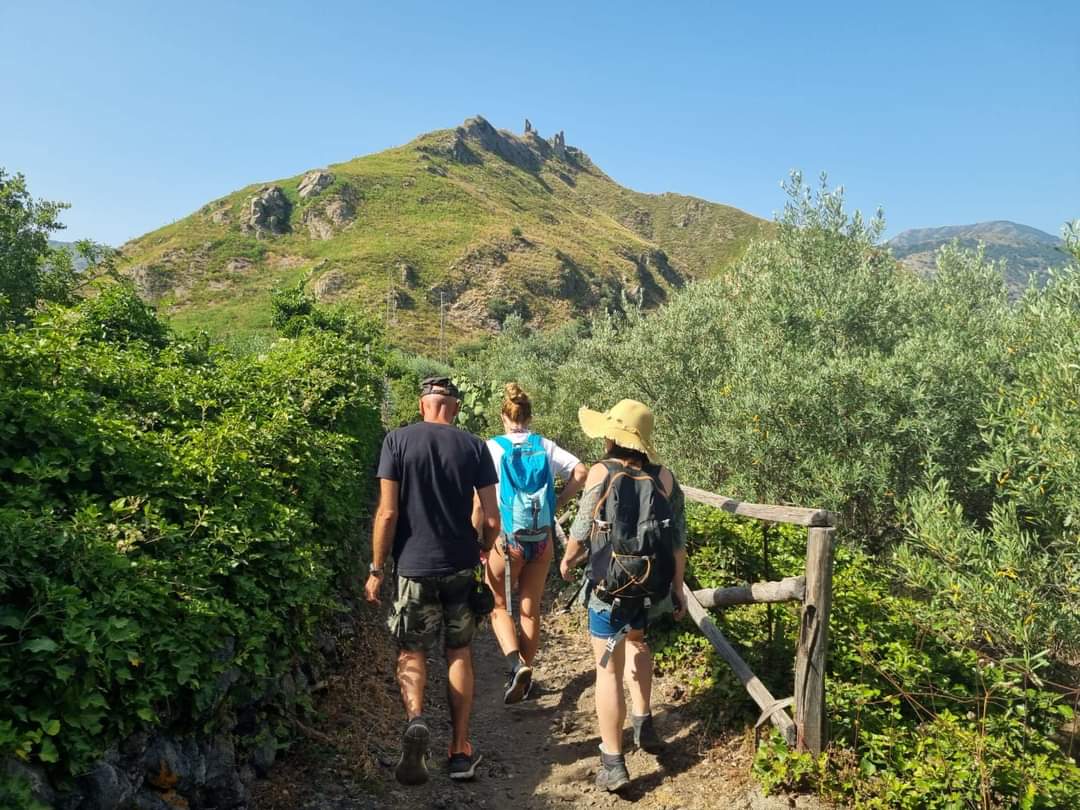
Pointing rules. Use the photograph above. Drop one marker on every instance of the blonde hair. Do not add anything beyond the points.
(516, 406)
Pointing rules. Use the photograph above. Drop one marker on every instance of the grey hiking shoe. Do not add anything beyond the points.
(518, 685)
(412, 766)
(645, 736)
(462, 765)
(612, 775)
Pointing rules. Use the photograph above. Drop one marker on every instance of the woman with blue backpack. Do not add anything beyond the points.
(527, 465)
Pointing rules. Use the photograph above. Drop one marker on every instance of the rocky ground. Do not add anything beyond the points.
(539, 754)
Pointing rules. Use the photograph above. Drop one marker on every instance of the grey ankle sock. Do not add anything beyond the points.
(639, 719)
(513, 661)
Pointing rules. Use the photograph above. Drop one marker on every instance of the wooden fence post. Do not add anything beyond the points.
(810, 719)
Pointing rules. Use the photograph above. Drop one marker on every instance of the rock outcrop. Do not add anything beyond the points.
(558, 145)
(504, 144)
(400, 299)
(469, 142)
(639, 221)
(410, 276)
(313, 183)
(648, 265)
(152, 283)
(329, 284)
(268, 212)
(239, 265)
(324, 220)
(695, 210)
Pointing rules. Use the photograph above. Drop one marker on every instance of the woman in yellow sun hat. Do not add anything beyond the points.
(632, 526)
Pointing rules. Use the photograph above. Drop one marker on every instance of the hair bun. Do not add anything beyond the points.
(516, 404)
(516, 394)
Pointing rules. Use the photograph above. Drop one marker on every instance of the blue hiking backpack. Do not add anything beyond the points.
(526, 490)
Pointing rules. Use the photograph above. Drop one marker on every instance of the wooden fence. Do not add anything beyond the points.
(809, 729)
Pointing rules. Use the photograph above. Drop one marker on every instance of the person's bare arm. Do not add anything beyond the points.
(577, 547)
(677, 584)
(573, 556)
(382, 536)
(573, 486)
(678, 503)
(477, 515)
(490, 524)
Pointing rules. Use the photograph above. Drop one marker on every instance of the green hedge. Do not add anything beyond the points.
(173, 518)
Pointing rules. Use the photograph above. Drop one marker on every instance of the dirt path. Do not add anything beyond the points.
(539, 754)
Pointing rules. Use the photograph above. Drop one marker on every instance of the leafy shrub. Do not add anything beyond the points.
(173, 519)
(116, 315)
(294, 311)
(500, 309)
(918, 719)
(1010, 576)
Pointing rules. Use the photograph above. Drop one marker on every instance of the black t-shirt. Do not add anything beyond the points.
(438, 467)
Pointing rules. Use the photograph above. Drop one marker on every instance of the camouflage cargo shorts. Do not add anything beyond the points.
(425, 605)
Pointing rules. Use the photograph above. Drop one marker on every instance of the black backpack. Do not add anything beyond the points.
(632, 554)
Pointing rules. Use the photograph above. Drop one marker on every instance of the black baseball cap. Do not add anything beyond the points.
(439, 384)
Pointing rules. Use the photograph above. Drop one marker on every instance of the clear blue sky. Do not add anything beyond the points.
(946, 113)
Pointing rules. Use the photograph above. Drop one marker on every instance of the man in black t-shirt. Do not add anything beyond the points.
(428, 472)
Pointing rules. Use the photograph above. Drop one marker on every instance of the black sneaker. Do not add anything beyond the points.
(519, 684)
(412, 767)
(534, 691)
(463, 765)
(645, 736)
(612, 775)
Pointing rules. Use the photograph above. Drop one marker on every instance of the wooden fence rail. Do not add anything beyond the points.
(809, 730)
(795, 515)
(789, 589)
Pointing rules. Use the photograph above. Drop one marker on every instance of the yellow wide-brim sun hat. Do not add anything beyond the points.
(629, 424)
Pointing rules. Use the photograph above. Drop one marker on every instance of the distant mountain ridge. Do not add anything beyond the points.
(1026, 250)
(473, 221)
(77, 261)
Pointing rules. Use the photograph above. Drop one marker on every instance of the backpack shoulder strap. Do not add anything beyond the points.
(613, 469)
(654, 472)
(504, 443)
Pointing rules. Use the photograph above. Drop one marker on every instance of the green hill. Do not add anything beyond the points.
(1026, 251)
(479, 220)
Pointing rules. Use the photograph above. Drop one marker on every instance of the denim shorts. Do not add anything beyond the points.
(605, 622)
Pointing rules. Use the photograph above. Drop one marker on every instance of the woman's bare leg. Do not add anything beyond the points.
(501, 620)
(531, 582)
(610, 702)
(639, 672)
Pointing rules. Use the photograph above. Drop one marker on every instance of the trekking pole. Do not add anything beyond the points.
(566, 606)
(508, 585)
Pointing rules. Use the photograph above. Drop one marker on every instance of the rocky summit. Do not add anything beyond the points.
(468, 224)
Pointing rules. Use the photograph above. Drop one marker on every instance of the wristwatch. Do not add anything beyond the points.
(376, 572)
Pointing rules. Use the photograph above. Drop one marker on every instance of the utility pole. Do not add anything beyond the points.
(442, 326)
(389, 295)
